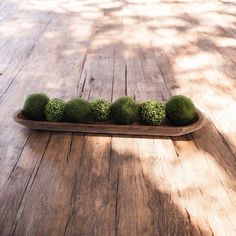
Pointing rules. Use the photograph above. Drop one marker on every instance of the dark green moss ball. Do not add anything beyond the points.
(34, 105)
(152, 112)
(180, 110)
(124, 110)
(101, 110)
(77, 110)
(54, 110)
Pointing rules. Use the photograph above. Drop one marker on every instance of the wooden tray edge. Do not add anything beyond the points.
(112, 129)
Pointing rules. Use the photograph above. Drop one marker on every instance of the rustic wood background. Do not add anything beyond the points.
(74, 184)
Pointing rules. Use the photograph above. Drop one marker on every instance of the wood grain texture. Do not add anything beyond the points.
(72, 184)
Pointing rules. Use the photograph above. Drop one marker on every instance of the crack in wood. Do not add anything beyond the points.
(126, 82)
(82, 70)
(189, 221)
(83, 86)
(116, 204)
(175, 147)
(69, 152)
(110, 158)
(113, 74)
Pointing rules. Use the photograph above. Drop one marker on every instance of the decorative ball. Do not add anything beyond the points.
(124, 110)
(101, 109)
(54, 110)
(34, 106)
(180, 110)
(152, 112)
(77, 110)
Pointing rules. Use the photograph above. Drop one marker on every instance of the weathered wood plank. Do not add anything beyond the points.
(16, 51)
(191, 210)
(58, 78)
(192, 90)
(40, 75)
(92, 209)
(133, 212)
(93, 200)
(51, 188)
(12, 192)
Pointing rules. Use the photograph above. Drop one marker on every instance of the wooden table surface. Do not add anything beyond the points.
(77, 184)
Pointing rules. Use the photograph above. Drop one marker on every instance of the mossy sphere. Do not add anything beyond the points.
(180, 110)
(77, 110)
(54, 110)
(152, 112)
(124, 110)
(101, 109)
(34, 105)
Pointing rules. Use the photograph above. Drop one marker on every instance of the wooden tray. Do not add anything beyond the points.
(110, 128)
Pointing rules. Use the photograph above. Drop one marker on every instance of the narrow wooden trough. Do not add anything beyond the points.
(111, 128)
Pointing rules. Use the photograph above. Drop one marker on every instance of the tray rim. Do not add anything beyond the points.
(110, 128)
